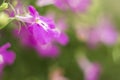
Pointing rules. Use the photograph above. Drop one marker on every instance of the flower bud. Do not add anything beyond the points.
(3, 6)
(4, 19)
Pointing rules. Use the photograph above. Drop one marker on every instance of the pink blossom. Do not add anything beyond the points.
(74, 5)
(61, 25)
(91, 70)
(79, 5)
(48, 51)
(103, 32)
(7, 57)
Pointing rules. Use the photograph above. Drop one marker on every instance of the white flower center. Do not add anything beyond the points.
(43, 24)
(26, 18)
(1, 59)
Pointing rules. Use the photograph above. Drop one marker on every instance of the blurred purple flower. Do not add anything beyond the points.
(62, 26)
(76, 5)
(62, 39)
(62, 4)
(25, 37)
(103, 32)
(91, 70)
(7, 57)
(79, 5)
(49, 50)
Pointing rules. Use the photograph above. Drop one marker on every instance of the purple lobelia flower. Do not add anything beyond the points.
(91, 70)
(49, 50)
(40, 33)
(42, 29)
(27, 40)
(7, 57)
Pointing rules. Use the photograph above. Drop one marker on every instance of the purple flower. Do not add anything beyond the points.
(48, 50)
(76, 5)
(103, 32)
(7, 57)
(79, 5)
(27, 40)
(41, 34)
(51, 49)
(62, 39)
(61, 4)
(62, 26)
(91, 70)
(25, 37)
(42, 29)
